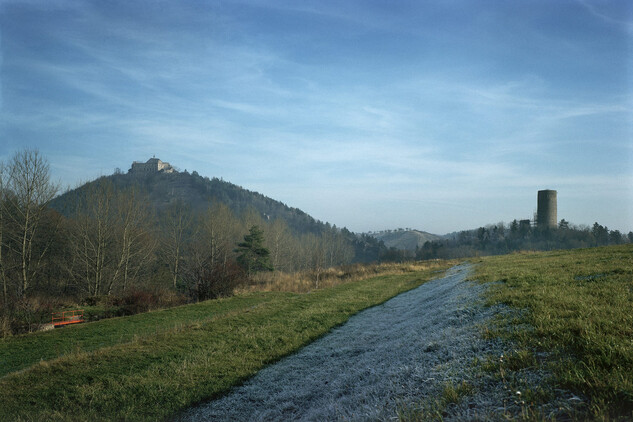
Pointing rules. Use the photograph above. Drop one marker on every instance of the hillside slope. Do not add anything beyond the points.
(407, 240)
(200, 193)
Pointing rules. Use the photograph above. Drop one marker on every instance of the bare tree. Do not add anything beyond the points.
(28, 182)
(280, 243)
(315, 254)
(92, 235)
(250, 217)
(220, 231)
(209, 269)
(134, 243)
(337, 248)
(111, 239)
(3, 275)
(177, 224)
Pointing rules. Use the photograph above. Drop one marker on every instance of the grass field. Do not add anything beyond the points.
(574, 319)
(576, 322)
(150, 366)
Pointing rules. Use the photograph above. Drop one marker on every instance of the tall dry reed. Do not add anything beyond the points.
(305, 281)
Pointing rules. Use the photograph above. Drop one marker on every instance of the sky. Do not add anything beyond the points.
(379, 114)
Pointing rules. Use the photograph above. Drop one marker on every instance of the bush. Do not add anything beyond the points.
(5, 326)
(205, 281)
(135, 301)
(91, 300)
(29, 314)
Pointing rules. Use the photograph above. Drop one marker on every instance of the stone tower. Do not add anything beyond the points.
(546, 213)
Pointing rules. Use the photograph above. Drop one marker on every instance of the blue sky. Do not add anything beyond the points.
(436, 115)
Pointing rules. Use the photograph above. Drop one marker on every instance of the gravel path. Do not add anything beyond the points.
(383, 359)
(386, 356)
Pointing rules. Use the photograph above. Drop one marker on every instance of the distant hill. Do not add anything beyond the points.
(162, 188)
(199, 192)
(405, 239)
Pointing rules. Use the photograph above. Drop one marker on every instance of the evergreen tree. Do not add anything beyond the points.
(252, 255)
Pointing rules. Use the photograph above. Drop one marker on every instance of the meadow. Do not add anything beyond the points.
(150, 366)
(575, 321)
(572, 319)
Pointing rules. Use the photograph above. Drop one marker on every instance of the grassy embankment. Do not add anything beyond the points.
(577, 324)
(150, 366)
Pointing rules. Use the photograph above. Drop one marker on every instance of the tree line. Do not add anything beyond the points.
(112, 242)
(519, 235)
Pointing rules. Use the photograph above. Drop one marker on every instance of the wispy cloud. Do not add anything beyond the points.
(617, 17)
(423, 106)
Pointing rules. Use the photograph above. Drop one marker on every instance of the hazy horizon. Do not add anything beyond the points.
(438, 116)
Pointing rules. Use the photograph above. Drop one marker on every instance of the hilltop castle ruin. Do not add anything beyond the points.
(153, 165)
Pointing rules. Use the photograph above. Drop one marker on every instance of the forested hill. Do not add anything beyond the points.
(405, 239)
(161, 189)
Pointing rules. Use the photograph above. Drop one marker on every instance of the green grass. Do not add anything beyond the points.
(433, 408)
(22, 351)
(578, 313)
(150, 366)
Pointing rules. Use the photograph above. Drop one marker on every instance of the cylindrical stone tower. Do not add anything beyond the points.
(546, 214)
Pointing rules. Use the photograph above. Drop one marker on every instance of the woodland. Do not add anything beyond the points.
(124, 244)
(520, 235)
(112, 241)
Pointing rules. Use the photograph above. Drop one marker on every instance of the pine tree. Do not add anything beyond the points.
(252, 255)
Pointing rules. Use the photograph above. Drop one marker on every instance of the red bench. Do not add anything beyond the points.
(67, 317)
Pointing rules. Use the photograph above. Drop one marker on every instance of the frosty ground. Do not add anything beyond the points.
(386, 359)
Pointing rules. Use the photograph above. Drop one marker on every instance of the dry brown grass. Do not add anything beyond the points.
(306, 281)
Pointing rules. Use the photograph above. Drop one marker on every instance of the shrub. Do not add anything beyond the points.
(29, 314)
(206, 281)
(138, 300)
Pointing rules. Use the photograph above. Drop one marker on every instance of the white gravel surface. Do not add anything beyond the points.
(385, 358)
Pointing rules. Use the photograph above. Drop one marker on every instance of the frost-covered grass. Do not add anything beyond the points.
(150, 366)
(576, 324)
(377, 365)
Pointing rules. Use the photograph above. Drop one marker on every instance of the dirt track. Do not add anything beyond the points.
(383, 359)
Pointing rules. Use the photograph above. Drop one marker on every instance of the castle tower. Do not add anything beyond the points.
(546, 213)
